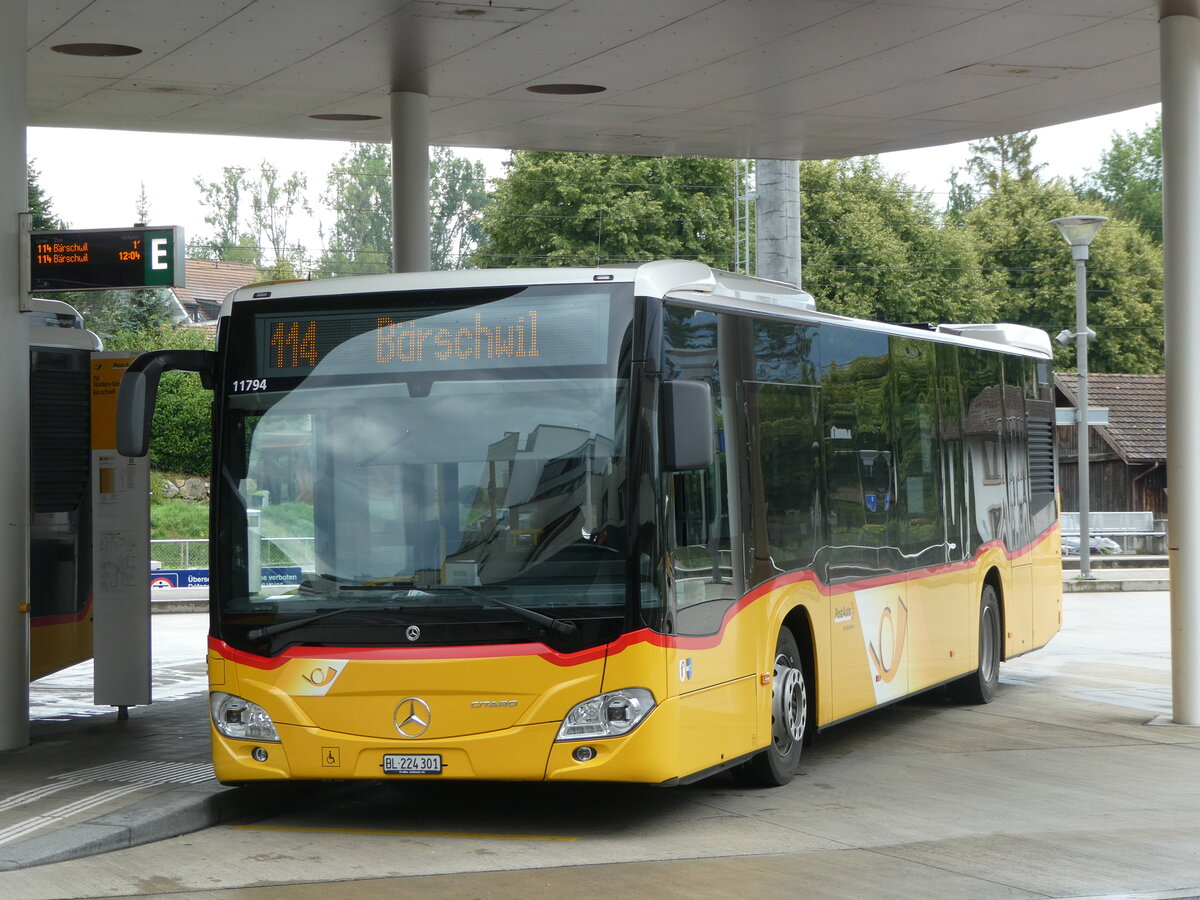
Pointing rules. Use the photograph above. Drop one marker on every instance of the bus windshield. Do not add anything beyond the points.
(449, 467)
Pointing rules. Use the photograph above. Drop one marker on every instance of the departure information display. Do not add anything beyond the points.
(106, 259)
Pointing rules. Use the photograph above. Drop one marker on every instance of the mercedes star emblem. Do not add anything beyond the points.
(412, 717)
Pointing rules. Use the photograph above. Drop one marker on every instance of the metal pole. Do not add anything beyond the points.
(14, 400)
(777, 214)
(1081, 360)
(1179, 40)
(410, 182)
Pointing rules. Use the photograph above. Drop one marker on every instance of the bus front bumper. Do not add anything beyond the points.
(522, 753)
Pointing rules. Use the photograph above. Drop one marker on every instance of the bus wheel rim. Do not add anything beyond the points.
(987, 649)
(790, 706)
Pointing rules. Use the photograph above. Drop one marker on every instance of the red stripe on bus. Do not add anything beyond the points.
(65, 619)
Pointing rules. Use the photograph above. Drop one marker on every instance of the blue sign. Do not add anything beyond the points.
(275, 575)
(179, 578)
(271, 576)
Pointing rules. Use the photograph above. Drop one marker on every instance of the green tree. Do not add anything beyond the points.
(251, 215)
(1129, 179)
(273, 203)
(360, 193)
(562, 209)
(181, 432)
(224, 201)
(1006, 157)
(41, 207)
(457, 195)
(135, 310)
(873, 248)
(1033, 266)
(993, 162)
(962, 196)
(359, 190)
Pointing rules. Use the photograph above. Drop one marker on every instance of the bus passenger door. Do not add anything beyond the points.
(711, 653)
(710, 658)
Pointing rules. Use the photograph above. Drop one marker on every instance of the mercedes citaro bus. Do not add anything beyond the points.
(634, 524)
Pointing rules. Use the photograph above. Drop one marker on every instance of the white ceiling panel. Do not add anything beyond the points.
(1117, 37)
(721, 77)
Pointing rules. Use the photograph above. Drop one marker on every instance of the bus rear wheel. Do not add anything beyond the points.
(980, 686)
(775, 766)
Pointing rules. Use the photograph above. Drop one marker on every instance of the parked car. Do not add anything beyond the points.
(1097, 543)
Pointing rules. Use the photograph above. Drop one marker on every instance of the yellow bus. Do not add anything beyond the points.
(639, 524)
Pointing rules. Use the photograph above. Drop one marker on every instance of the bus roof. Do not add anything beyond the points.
(57, 324)
(684, 280)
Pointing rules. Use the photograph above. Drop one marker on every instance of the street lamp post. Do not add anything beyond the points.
(1078, 231)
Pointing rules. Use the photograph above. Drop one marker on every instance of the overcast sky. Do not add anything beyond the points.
(94, 177)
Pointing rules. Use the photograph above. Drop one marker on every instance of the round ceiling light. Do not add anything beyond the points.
(96, 49)
(344, 117)
(565, 89)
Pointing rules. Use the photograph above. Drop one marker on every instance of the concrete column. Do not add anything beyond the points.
(1179, 37)
(410, 182)
(777, 219)
(14, 399)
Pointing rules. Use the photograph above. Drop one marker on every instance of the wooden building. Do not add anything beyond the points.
(1128, 455)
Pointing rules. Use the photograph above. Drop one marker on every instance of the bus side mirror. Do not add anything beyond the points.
(687, 425)
(133, 415)
(139, 387)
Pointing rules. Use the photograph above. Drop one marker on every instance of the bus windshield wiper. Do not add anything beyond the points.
(558, 626)
(255, 634)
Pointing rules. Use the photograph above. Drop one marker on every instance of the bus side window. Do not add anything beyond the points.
(858, 432)
(785, 468)
(919, 450)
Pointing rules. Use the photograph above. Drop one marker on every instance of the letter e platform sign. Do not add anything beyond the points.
(106, 259)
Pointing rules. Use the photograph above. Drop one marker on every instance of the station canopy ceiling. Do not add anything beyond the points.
(802, 79)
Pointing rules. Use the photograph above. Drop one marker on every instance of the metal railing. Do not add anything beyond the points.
(1110, 522)
(193, 553)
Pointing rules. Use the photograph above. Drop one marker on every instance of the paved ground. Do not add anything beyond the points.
(1059, 788)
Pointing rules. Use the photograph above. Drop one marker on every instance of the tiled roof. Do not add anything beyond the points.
(1137, 411)
(210, 280)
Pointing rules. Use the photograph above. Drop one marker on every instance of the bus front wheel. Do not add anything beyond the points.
(980, 686)
(775, 766)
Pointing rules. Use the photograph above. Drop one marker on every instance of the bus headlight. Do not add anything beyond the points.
(609, 715)
(241, 719)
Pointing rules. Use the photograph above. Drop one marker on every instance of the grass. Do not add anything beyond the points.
(178, 520)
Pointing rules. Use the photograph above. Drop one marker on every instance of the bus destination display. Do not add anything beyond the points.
(106, 259)
(567, 331)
